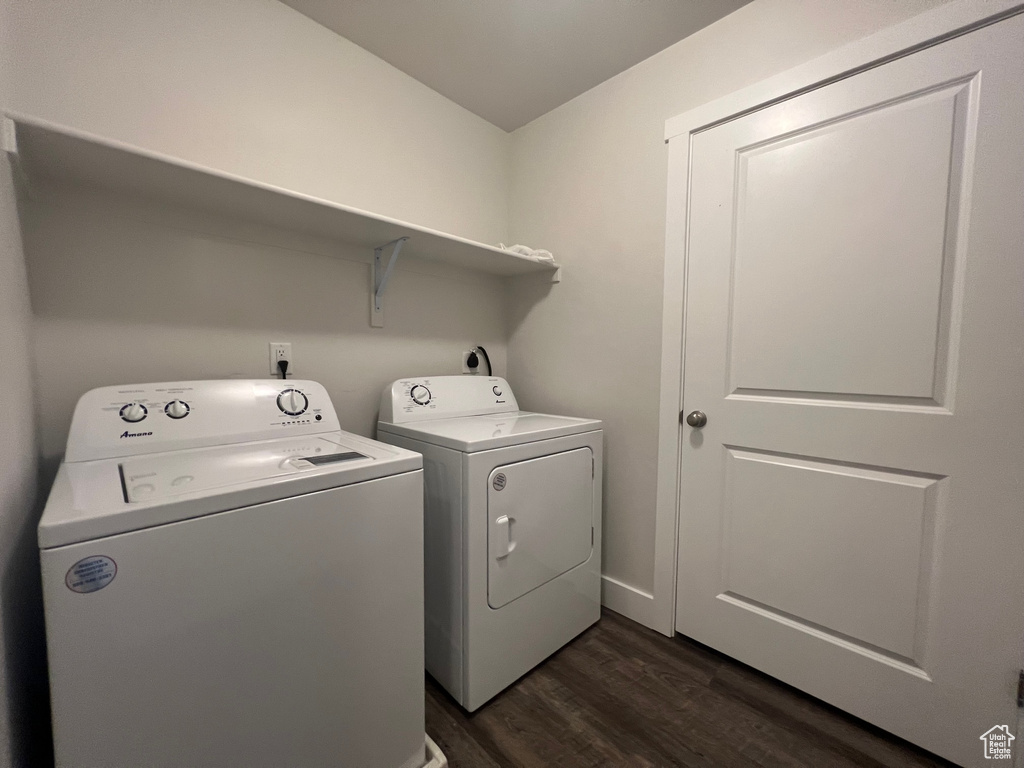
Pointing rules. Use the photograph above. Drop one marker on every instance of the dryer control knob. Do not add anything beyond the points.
(133, 412)
(176, 409)
(420, 394)
(292, 402)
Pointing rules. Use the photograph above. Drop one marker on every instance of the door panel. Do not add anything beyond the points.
(783, 523)
(851, 515)
(540, 517)
(850, 281)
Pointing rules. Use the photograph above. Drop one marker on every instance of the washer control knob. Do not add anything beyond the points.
(177, 409)
(133, 412)
(292, 402)
(496, 390)
(420, 394)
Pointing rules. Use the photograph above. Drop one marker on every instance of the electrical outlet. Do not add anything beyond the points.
(280, 350)
(465, 362)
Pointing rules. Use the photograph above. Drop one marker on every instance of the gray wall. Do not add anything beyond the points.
(24, 713)
(129, 291)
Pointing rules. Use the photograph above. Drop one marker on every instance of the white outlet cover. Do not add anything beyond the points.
(281, 350)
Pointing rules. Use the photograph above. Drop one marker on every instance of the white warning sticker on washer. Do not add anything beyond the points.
(90, 574)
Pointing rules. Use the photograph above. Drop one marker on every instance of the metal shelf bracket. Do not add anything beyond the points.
(381, 274)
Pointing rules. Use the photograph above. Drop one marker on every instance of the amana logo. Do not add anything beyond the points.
(126, 433)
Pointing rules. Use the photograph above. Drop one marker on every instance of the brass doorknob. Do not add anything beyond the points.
(696, 419)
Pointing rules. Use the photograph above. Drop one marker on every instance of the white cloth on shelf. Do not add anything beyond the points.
(537, 254)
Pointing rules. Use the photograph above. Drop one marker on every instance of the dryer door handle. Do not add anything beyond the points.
(505, 521)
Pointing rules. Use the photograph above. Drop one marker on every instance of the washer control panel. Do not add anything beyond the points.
(148, 418)
(445, 397)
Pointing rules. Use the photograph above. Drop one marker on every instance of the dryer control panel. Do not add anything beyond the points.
(148, 418)
(445, 397)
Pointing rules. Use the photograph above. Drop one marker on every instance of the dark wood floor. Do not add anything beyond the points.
(623, 695)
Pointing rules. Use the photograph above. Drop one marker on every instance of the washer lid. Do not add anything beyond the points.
(493, 430)
(91, 499)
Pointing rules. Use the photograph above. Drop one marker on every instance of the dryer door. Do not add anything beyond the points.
(540, 522)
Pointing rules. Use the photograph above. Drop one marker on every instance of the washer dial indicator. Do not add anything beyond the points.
(292, 402)
(419, 394)
(177, 409)
(133, 412)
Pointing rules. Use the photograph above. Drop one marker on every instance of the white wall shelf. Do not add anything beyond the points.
(45, 150)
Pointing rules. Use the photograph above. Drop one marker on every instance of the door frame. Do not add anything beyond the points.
(928, 29)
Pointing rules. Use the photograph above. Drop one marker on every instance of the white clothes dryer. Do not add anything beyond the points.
(231, 580)
(512, 527)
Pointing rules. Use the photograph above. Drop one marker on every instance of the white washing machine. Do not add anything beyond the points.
(230, 580)
(512, 527)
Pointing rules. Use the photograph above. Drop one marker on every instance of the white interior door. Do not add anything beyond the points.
(852, 515)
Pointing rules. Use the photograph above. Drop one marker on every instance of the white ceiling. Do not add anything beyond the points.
(510, 61)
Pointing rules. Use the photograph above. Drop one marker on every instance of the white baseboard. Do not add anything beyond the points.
(631, 602)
